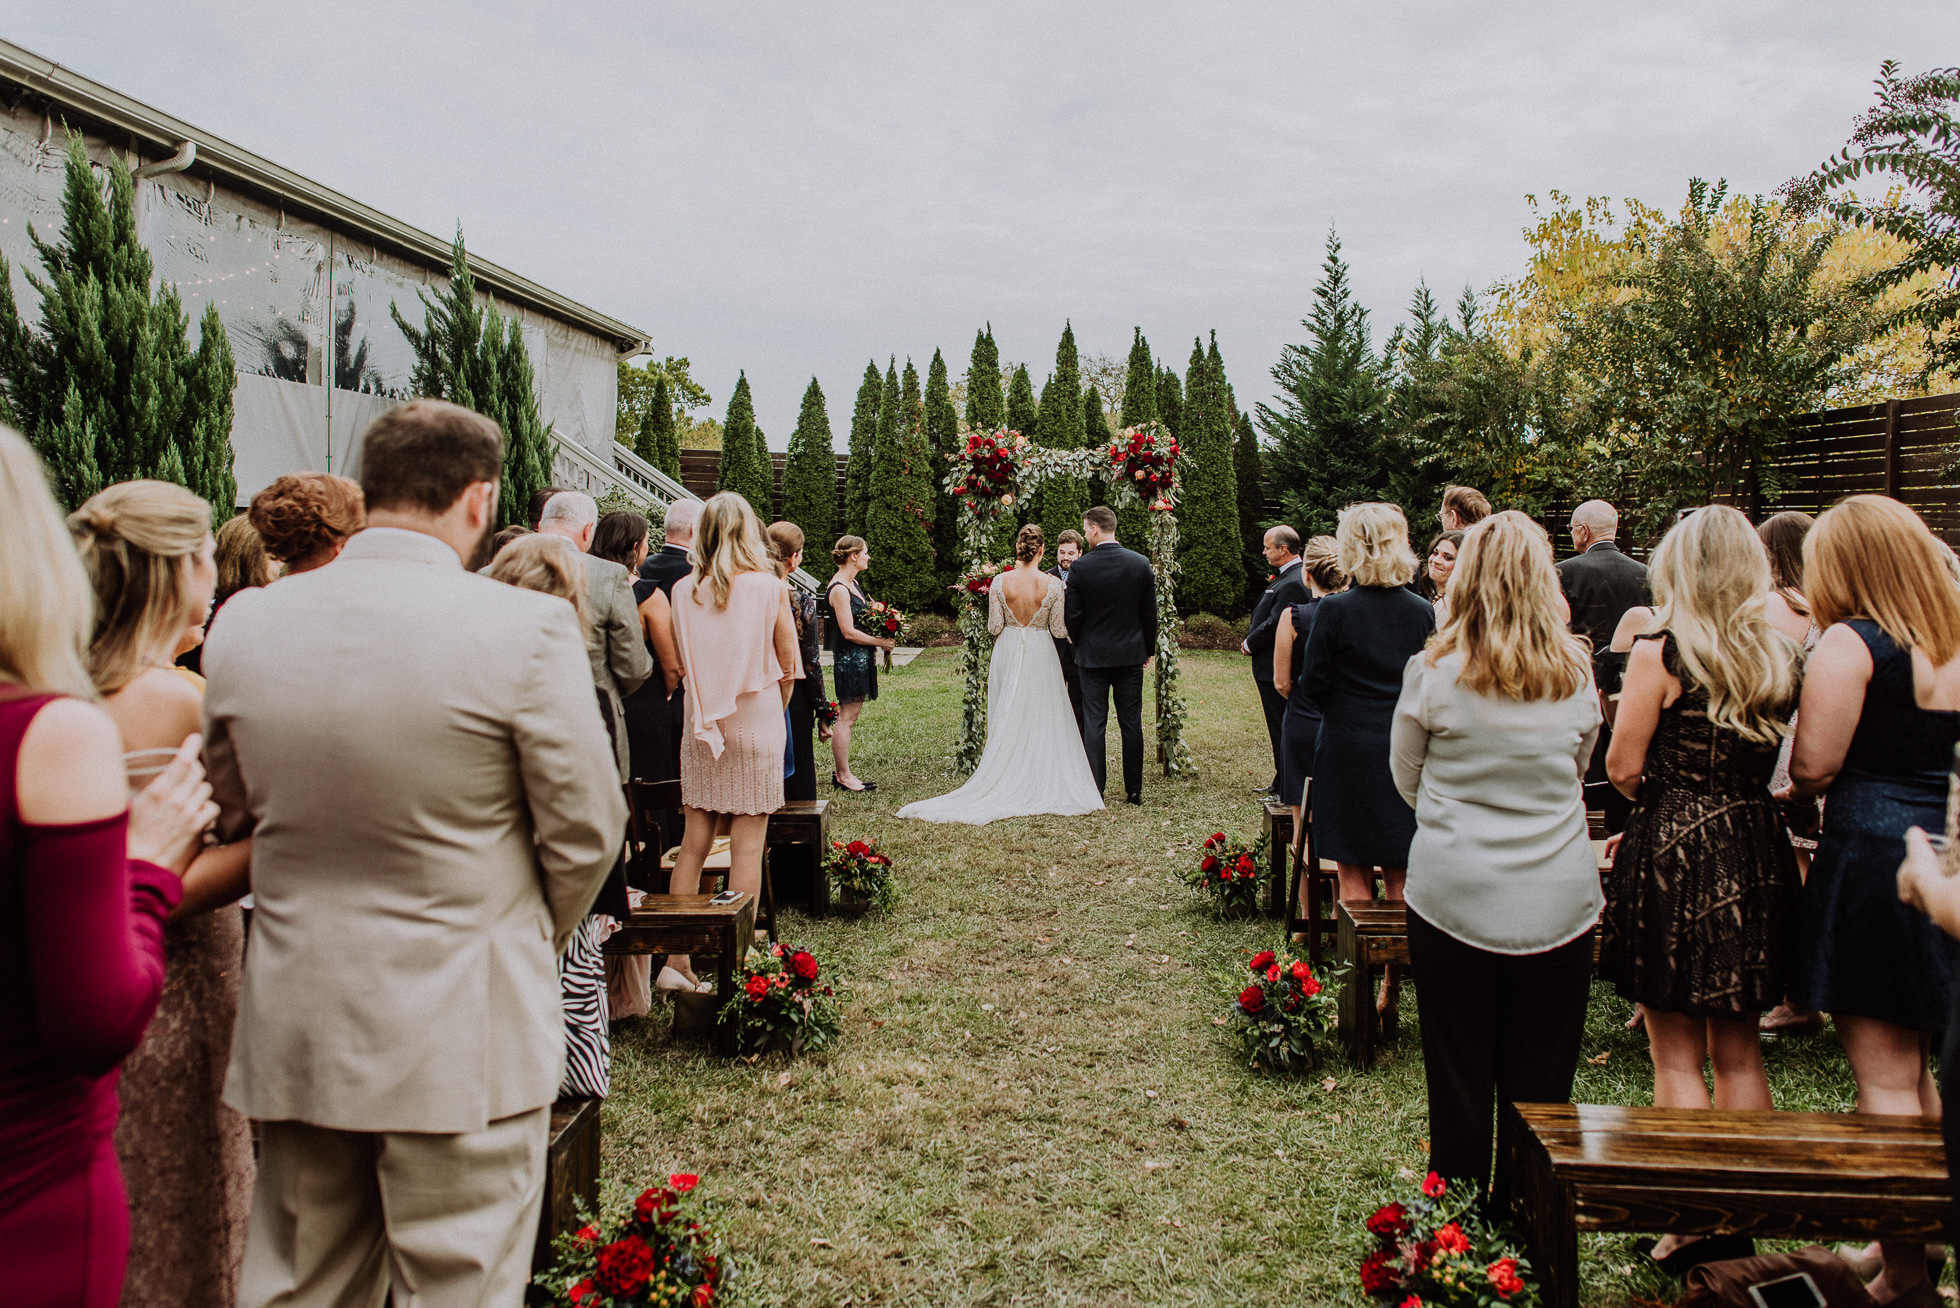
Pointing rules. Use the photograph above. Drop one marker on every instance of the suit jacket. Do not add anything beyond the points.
(1058, 575)
(1601, 585)
(1111, 608)
(665, 566)
(1278, 601)
(433, 806)
(615, 644)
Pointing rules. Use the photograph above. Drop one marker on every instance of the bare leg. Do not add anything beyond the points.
(1679, 1046)
(1890, 1065)
(840, 742)
(746, 833)
(1736, 1048)
(686, 880)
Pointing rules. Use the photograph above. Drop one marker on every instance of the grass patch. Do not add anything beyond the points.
(1030, 1103)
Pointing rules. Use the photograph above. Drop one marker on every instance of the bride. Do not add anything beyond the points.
(1034, 761)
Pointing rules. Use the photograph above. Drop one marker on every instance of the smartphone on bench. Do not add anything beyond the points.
(734, 896)
(1797, 1291)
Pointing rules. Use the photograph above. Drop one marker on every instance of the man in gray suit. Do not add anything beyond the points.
(433, 806)
(613, 640)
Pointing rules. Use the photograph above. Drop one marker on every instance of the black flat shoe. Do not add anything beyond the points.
(855, 790)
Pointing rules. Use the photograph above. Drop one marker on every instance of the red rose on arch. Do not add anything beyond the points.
(1379, 1274)
(586, 1234)
(703, 1296)
(804, 965)
(1261, 960)
(1310, 986)
(578, 1292)
(1434, 1185)
(757, 987)
(1251, 1000)
(1413, 1301)
(625, 1266)
(1209, 864)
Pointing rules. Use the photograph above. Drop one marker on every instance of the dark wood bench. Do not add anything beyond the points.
(1276, 829)
(689, 924)
(571, 1174)
(1373, 933)
(799, 836)
(1783, 1176)
(646, 802)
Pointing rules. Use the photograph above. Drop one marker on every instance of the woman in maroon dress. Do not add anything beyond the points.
(86, 879)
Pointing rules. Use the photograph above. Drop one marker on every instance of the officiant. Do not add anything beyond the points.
(1068, 548)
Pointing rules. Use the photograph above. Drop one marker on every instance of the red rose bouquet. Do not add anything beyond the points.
(1432, 1250)
(862, 871)
(987, 471)
(780, 1002)
(660, 1254)
(1145, 460)
(1282, 1012)
(881, 619)
(1229, 873)
(978, 583)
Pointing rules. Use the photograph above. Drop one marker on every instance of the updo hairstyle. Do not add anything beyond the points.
(137, 539)
(303, 514)
(1028, 542)
(841, 552)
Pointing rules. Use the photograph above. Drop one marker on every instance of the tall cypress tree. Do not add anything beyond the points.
(986, 403)
(1022, 412)
(899, 523)
(741, 470)
(1058, 426)
(527, 437)
(659, 439)
(109, 388)
(1211, 573)
(1252, 503)
(810, 474)
(1139, 406)
(1095, 426)
(1170, 403)
(864, 447)
(942, 422)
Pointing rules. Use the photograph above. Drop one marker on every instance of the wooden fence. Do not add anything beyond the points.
(701, 468)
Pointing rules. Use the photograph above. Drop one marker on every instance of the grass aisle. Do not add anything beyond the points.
(1030, 1102)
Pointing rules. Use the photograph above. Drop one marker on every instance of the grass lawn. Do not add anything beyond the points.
(1030, 1102)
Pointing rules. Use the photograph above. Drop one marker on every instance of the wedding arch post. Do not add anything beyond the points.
(991, 472)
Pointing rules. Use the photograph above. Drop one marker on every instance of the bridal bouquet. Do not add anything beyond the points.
(659, 1254)
(882, 619)
(1147, 464)
(1284, 1013)
(861, 870)
(1431, 1248)
(1229, 873)
(778, 1005)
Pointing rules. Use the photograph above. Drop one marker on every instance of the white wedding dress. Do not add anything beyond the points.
(1033, 761)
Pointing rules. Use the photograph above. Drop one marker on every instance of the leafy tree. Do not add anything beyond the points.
(469, 354)
(1058, 426)
(810, 474)
(636, 388)
(109, 388)
(942, 424)
(744, 462)
(864, 447)
(1211, 577)
(1325, 436)
(899, 524)
(986, 403)
(701, 434)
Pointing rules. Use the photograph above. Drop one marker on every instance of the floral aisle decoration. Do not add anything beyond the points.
(780, 1004)
(1432, 1250)
(662, 1253)
(1283, 1013)
(862, 871)
(1228, 873)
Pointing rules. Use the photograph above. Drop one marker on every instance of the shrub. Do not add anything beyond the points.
(929, 629)
(1207, 631)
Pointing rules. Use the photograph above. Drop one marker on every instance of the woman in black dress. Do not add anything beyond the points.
(1361, 641)
(809, 707)
(1320, 567)
(854, 655)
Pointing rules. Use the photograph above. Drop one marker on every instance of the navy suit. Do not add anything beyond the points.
(1274, 607)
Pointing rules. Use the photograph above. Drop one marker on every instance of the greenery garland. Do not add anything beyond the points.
(991, 472)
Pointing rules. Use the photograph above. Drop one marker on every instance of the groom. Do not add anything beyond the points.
(1111, 611)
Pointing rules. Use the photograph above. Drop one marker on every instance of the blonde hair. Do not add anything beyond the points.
(45, 598)
(1711, 583)
(1374, 541)
(785, 541)
(727, 543)
(136, 539)
(1872, 557)
(543, 562)
(1320, 559)
(1505, 618)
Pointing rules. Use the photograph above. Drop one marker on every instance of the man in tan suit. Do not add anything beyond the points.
(614, 641)
(433, 806)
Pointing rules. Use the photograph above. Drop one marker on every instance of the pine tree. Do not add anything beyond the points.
(744, 467)
(864, 446)
(1095, 426)
(1252, 490)
(810, 474)
(527, 438)
(1325, 437)
(110, 389)
(1170, 402)
(942, 423)
(1058, 426)
(659, 440)
(1211, 571)
(1139, 406)
(1022, 412)
(899, 523)
(986, 404)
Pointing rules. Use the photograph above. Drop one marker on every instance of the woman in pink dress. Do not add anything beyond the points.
(89, 875)
(739, 664)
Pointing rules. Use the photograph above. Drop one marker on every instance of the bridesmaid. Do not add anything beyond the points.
(1320, 565)
(854, 663)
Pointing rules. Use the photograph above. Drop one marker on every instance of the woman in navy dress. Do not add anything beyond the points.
(1879, 719)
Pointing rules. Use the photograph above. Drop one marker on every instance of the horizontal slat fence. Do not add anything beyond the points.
(701, 468)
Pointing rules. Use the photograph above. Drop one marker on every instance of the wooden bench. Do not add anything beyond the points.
(1783, 1176)
(689, 924)
(646, 801)
(571, 1174)
(1276, 829)
(799, 836)
(1372, 934)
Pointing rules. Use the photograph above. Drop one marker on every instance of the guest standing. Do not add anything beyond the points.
(1879, 718)
(1282, 550)
(242, 564)
(1602, 584)
(614, 642)
(1703, 896)
(1068, 548)
(186, 1157)
(653, 712)
(1782, 535)
(427, 841)
(88, 873)
(1463, 508)
(1923, 885)
(1434, 583)
(1361, 641)
(1320, 564)
(809, 706)
(1493, 728)
(305, 518)
(854, 660)
(738, 659)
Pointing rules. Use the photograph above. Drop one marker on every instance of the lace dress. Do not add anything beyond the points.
(1703, 898)
(1033, 762)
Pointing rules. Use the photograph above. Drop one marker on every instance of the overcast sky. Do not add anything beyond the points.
(792, 189)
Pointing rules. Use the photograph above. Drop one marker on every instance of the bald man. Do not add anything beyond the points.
(1601, 584)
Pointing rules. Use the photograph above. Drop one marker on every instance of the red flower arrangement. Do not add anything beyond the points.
(1145, 460)
(979, 583)
(661, 1254)
(1229, 873)
(987, 471)
(862, 871)
(778, 1004)
(1432, 1249)
(1284, 1014)
(881, 619)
